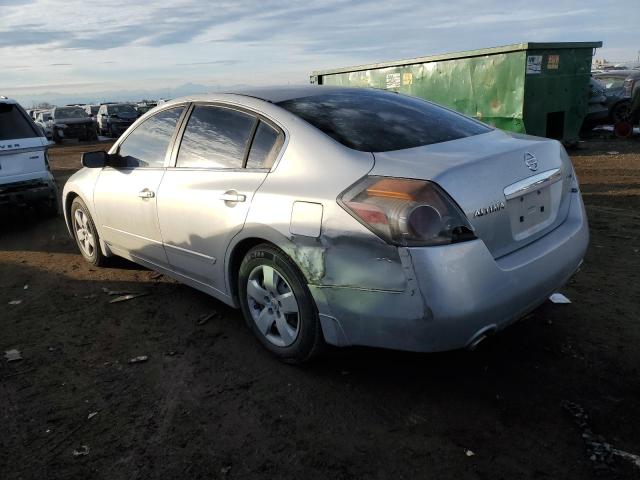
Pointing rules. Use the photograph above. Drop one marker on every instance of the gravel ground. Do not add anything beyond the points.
(551, 397)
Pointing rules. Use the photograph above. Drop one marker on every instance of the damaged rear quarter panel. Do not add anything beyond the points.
(316, 169)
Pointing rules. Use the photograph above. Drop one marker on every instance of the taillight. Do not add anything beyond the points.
(628, 86)
(407, 212)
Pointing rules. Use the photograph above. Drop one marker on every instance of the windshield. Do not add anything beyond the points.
(69, 113)
(611, 82)
(380, 121)
(121, 109)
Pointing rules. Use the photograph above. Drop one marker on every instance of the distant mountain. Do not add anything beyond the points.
(56, 98)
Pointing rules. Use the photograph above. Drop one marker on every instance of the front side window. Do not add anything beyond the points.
(380, 121)
(264, 148)
(215, 137)
(147, 145)
(13, 124)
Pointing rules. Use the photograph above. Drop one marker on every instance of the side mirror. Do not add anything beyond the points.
(95, 159)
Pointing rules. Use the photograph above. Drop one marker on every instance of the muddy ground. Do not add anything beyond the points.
(211, 403)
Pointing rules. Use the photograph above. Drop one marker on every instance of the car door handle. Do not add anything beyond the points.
(146, 193)
(233, 197)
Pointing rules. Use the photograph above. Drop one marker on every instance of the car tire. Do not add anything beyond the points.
(286, 321)
(620, 112)
(85, 233)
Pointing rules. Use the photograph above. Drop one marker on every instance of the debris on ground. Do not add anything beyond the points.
(128, 296)
(15, 302)
(139, 359)
(155, 275)
(469, 453)
(91, 415)
(26, 287)
(115, 292)
(206, 317)
(12, 355)
(599, 451)
(225, 470)
(613, 152)
(81, 451)
(559, 298)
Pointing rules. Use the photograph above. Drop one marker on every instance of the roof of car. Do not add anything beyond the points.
(288, 92)
(618, 73)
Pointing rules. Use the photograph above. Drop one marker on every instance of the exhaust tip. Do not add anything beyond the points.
(481, 336)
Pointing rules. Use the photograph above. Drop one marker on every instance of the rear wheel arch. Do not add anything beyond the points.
(239, 249)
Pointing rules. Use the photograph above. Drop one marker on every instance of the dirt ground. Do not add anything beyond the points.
(211, 403)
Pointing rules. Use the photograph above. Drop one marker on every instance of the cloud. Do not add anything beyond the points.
(125, 44)
(29, 35)
(212, 62)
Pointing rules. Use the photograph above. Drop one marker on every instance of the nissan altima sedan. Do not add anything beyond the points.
(335, 215)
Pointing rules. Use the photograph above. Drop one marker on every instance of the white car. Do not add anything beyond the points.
(341, 215)
(45, 122)
(25, 176)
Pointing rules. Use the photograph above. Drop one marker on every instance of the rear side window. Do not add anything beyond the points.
(14, 124)
(215, 137)
(147, 145)
(379, 121)
(265, 147)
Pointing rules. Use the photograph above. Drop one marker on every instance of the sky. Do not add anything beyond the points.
(66, 50)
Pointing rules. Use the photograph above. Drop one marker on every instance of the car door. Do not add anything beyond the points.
(125, 192)
(223, 157)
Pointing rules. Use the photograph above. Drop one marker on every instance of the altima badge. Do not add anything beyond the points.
(531, 161)
(494, 207)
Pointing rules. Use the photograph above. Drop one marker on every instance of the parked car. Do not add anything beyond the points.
(25, 176)
(114, 119)
(71, 122)
(339, 215)
(44, 121)
(92, 110)
(597, 110)
(144, 107)
(618, 85)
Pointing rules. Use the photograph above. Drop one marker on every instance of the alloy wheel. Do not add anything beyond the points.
(273, 306)
(84, 233)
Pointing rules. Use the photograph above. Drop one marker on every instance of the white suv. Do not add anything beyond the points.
(25, 175)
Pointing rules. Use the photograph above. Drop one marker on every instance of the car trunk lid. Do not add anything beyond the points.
(513, 188)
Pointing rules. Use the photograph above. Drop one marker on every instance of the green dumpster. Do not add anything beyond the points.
(535, 88)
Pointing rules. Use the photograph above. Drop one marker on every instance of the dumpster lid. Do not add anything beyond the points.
(464, 54)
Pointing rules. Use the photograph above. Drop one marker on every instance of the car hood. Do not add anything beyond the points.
(125, 116)
(72, 121)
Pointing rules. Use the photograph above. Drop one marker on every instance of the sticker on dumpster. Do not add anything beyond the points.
(407, 78)
(534, 64)
(553, 62)
(393, 80)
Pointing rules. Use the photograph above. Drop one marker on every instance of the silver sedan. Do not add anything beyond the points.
(339, 216)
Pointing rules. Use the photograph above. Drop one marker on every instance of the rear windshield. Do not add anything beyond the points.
(379, 121)
(13, 124)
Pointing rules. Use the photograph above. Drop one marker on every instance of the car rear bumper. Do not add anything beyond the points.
(456, 293)
(28, 191)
